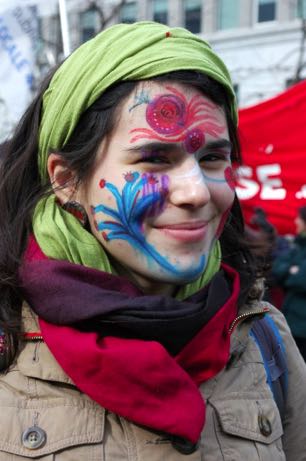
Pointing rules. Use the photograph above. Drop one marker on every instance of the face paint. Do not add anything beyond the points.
(194, 140)
(166, 114)
(153, 186)
(230, 177)
(195, 173)
(141, 98)
(174, 119)
(141, 196)
(160, 205)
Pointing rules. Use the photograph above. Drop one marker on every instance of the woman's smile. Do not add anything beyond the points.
(188, 232)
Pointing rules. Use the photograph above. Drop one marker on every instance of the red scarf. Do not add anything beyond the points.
(139, 379)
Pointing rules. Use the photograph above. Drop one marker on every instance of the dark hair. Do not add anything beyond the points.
(302, 213)
(21, 188)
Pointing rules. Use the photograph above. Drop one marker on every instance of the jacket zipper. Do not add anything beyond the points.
(235, 322)
(246, 315)
(33, 336)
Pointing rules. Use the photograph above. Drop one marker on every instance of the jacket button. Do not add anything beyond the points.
(184, 446)
(264, 425)
(34, 438)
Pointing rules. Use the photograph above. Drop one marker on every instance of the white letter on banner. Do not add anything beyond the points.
(271, 187)
(247, 188)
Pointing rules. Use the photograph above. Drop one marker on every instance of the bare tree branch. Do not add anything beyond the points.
(301, 63)
(104, 20)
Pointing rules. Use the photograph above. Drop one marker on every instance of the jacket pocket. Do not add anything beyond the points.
(248, 429)
(61, 430)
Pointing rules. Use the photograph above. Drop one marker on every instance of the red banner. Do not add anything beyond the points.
(273, 139)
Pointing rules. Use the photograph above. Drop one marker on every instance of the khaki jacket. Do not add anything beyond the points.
(44, 417)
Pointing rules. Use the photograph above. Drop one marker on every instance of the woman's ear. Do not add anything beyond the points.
(61, 177)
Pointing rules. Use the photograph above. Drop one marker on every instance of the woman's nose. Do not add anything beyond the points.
(188, 186)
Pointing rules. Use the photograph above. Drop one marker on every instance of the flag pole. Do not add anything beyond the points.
(64, 27)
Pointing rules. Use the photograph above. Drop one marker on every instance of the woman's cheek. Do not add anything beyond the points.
(224, 198)
(230, 177)
(222, 222)
(223, 195)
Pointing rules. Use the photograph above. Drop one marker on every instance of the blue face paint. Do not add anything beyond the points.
(141, 196)
(217, 180)
(141, 98)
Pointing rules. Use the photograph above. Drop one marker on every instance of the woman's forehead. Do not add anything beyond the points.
(181, 95)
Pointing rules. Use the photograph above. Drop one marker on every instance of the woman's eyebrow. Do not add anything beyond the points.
(154, 146)
(168, 146)
(218, 144)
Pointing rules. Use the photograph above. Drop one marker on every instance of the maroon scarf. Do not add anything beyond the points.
(137, 377)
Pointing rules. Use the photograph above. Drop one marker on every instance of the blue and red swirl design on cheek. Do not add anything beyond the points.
(172, 117)
(142, 196)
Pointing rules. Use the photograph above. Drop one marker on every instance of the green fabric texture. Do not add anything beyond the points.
(61, 236)
(122, 52)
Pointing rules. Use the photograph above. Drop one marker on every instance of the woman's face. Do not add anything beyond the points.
(162, 186)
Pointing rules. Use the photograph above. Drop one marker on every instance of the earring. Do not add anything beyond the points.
(77, 210)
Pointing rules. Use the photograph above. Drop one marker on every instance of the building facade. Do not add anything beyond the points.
(261, 41)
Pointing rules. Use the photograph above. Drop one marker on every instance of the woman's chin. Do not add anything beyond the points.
(184, 271)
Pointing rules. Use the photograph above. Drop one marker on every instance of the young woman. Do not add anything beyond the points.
(127, 291)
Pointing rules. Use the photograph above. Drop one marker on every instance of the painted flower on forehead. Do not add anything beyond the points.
(167, 114)
(174, 118)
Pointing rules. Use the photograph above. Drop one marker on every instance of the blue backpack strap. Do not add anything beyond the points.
(271, 346)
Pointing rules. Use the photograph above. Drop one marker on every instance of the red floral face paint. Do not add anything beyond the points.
(230, 178)
(102, 183)
(167, 114)
(129, 176)
(194, 140)
(175, 119)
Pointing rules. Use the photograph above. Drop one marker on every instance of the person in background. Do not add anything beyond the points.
(289, 271)
(127, 288)
(267, 245)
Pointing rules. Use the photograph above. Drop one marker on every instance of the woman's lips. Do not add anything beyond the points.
(185, 232)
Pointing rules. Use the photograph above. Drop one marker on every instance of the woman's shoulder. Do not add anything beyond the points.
(41, 411)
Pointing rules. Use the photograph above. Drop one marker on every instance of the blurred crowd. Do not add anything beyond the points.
(283, 262)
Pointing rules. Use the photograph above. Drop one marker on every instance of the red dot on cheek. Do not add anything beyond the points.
(105, 236)
(230, 177)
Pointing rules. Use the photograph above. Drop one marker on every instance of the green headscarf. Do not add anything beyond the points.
(123, 52)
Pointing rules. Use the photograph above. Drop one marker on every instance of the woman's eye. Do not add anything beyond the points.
(154, 158)
(214, 158)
